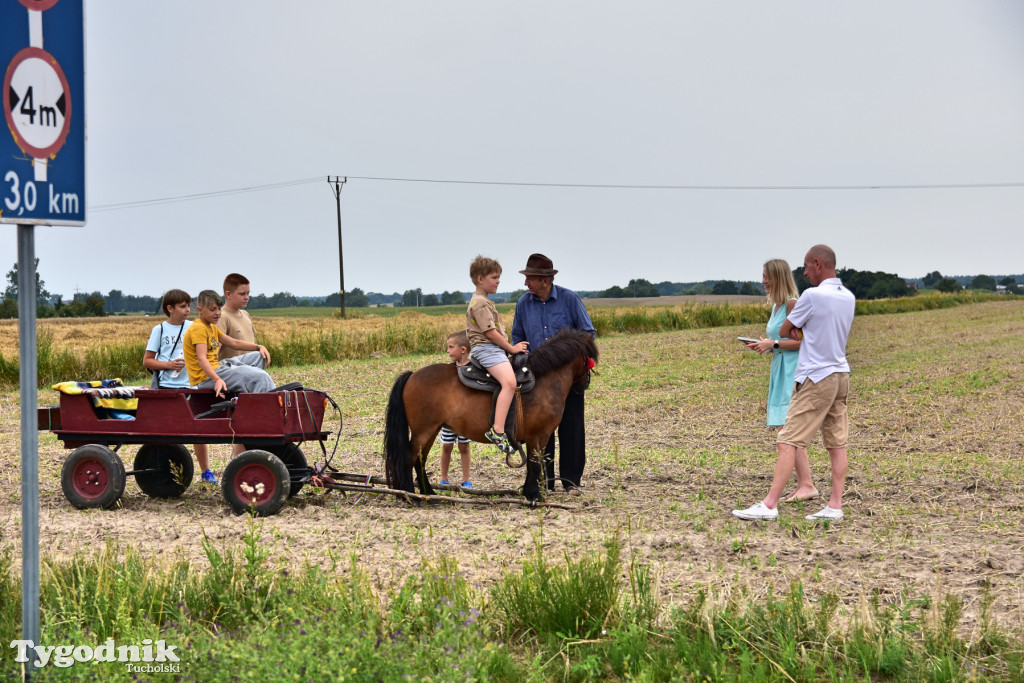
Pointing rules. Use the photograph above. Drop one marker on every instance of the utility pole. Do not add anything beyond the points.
(336, 186)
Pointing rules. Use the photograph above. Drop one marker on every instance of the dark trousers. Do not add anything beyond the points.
(572, 441)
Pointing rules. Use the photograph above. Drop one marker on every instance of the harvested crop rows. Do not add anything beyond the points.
(676, 440)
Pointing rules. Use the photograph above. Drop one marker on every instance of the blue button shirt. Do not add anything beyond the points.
(536, 321)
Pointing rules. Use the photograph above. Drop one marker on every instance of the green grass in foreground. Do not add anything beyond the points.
(240, 619)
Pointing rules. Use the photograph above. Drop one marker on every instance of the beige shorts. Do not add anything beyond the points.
(818, 406)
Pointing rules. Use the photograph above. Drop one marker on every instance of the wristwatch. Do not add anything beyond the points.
(776, 344)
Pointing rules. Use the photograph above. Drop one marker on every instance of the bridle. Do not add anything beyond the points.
(588, 368)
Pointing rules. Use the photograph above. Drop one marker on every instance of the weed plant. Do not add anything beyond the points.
(551, 602)
(10, 599)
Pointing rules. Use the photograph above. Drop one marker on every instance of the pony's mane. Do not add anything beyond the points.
(566, 345)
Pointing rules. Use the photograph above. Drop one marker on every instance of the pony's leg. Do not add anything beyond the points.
(421, 476)
(422, 448)
(533, 489)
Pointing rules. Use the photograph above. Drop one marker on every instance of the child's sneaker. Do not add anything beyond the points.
(467, 484)
(209, 477)
(500, 440)
(444, 482)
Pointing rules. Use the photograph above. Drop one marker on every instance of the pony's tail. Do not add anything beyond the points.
(397, 467)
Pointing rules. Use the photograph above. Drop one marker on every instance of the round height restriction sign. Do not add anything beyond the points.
(38, 5)
(37, 102)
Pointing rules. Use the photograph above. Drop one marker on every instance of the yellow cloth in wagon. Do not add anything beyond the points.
(109, 397)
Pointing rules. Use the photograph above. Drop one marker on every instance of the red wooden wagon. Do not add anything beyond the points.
(270, 425)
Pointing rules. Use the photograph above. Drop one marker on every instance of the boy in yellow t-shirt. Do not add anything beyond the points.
(203, 340)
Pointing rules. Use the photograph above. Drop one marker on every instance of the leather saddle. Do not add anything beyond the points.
(475, 376)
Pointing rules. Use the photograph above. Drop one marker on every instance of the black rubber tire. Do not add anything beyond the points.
(161, 457)
(294, 459)
(92, 477)
(256, 480)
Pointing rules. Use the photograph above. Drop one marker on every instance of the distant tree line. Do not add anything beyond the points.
(47, 306)
(730, 287)
(415, 297)
(935, 280)
(636, 288)
(864, 285)
(644, 288)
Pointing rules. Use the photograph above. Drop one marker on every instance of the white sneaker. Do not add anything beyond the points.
(758, 511)
(826, 514)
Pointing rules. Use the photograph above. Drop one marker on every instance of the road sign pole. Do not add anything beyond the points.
(28, 376)
(42, 168)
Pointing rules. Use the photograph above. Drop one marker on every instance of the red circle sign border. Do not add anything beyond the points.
(38, 5)
(36, 152)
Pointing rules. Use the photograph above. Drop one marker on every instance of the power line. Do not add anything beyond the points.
(204, 195)
(609, 186)
(596, 186)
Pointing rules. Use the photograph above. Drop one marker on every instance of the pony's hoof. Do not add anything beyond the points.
(533, 497)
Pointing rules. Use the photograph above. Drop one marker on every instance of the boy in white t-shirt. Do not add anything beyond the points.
(165, 357)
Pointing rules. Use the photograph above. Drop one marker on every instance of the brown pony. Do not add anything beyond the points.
(433, 397)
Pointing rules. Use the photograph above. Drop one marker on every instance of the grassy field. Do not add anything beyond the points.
(91, 348)
(921, 581)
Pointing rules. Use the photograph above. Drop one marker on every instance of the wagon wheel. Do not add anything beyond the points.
(256, 480)
(294, 459)
(92, 477)
(171, 470)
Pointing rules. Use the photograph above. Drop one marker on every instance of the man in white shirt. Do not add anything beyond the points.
(822, 318)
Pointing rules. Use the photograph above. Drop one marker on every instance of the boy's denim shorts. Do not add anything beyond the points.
(489, 355)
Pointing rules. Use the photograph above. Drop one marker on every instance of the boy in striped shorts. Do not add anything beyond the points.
(458, 351)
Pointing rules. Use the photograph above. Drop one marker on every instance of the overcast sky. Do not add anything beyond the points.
(191, 97)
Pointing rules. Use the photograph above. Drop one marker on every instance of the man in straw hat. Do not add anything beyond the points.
(545, 309)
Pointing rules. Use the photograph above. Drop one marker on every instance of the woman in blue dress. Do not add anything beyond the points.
(782, 293)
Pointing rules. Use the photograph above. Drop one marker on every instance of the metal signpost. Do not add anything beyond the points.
(42, 182)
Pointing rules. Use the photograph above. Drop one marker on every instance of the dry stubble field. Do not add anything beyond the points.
(676, 440)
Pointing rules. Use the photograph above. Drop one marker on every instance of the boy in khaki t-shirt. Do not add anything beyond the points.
(489, 344)
(234, 319)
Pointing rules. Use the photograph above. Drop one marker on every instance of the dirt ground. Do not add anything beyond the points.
(676, 439)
